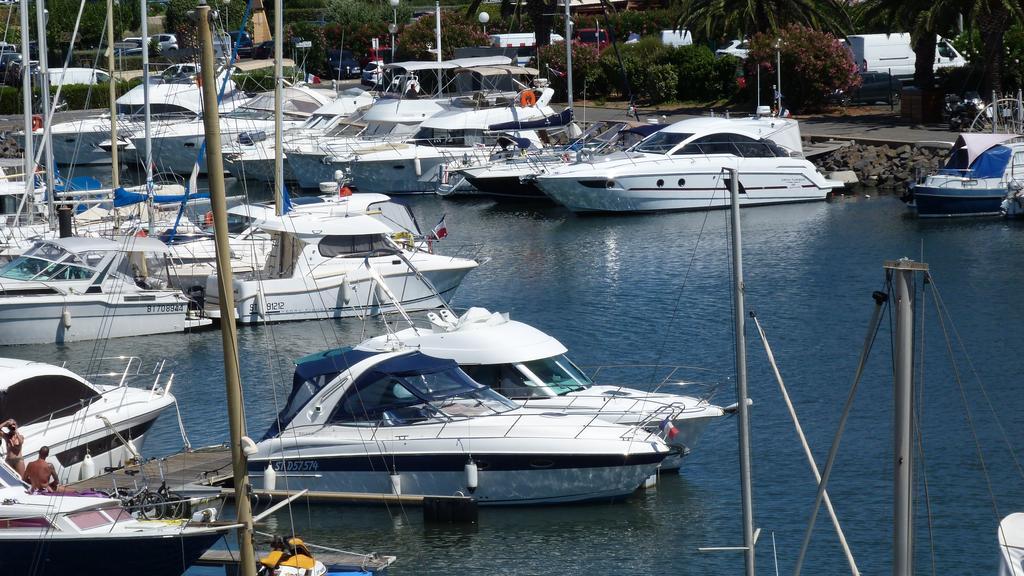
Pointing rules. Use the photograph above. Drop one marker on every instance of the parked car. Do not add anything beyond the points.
(372, 73)
(165, 42)
(737, 48)
(876, 87)
(66, 76)
(263, 50)
(343, 64)
(894, 53)
(6, 59)
(592, 36)
(243, 42)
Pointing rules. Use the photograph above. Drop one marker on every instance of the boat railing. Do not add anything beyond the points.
(133, 370)
(594, 420)
(684, 380)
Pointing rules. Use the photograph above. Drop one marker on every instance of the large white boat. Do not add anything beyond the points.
(522, 363)
(57, 408)
(331, 265)
(50, 534)
(404, 422)
(174, 98)
(253, 158)
(681, 167)
(460, 136)
(176, 145)
(72, 289)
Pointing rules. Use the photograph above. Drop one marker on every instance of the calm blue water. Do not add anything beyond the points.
(656, 289)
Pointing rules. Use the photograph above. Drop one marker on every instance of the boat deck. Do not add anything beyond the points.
(183, 472)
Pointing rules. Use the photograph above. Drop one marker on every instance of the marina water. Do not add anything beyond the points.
(655, 289)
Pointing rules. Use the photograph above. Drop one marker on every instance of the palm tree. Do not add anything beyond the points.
(993, 18)
(719, 19)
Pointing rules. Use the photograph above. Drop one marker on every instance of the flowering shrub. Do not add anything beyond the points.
(586, 70)
(814, 66)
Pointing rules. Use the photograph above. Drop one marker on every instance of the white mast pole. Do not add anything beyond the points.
(44, 90)
(437, 34)
(568, 52)
(145, 110)
(114, 163)
(26, 100)
(278, 97)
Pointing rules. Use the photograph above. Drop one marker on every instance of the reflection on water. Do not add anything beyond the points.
(656, 289)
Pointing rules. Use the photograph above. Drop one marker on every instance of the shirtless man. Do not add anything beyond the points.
(41, 475)
(14, 440)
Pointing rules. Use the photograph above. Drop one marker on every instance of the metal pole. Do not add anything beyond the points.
(743, 420)
(568, 51)
(26, 100)
(115, 166)
(145, 112)
(437, 33)
(778, 77)
(44, 90)
(995, 111)
(228, 330)
(278, 98)
(903, 413)
(394, 20)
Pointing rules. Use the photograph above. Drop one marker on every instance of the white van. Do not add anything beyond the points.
(59, 76)
(894, 53)
(525, 44)
(676, 37)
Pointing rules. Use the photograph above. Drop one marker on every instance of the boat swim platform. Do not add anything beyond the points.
(335, 561)
(207, 473)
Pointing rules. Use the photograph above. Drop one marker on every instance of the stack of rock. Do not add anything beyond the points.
(9, 148)
(884, 166)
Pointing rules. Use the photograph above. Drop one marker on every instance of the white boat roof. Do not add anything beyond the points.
(354, 204)
(345, 104)
(479, 337)
(415, 65)
(79, 244)
(14, 370)
(312, 225)
(296, 100)
(401, 110)
(1011, 543)
(501, 70)
(721, 124)
(483, 118)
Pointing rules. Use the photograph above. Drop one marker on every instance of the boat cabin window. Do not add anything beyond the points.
(385, 399)
(49, 262)
(661, 142)
(733, 144)
(507, 380)
(42, 397)
(8, 478)
(460, 137)
(357, 246)
(394, 215)
(558, 373)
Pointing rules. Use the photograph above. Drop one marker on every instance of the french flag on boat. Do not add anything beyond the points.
(441, 230)
(668, 428)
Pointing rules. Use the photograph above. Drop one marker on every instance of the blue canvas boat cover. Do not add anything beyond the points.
(123, 197)
(561, 119)
(989, 164)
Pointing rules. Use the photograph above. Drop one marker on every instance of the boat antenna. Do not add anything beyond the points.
(229, 332)
(743, 420)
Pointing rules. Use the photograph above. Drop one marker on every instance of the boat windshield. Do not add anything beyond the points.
(544, 378)
(412, 398)
(8, 478)
(661, 142)
(558, 373)
(47, 262)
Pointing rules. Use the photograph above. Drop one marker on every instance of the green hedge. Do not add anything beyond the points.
(76, 95)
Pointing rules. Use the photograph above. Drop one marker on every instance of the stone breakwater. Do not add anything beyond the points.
(9, 148)
(883, 166)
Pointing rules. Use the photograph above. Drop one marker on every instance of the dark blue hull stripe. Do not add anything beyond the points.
(453, 462)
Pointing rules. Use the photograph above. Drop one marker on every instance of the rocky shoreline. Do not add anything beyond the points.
(883, 166)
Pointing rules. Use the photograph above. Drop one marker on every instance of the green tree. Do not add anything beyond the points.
(61, 23)
(993, 18)
(457, 31)
(724, 19)
(354, 23)
(229, 15)
(923, 18)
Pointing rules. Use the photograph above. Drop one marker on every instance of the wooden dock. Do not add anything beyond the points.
(184, 472)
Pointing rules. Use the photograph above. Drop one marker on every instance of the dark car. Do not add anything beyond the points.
(875, 87)
(263, 50)
(243, 43)
(592, 36)
(342, 64)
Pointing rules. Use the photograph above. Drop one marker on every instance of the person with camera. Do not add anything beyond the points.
(13, 441)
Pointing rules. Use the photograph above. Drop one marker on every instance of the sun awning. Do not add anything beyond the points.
(975, 144)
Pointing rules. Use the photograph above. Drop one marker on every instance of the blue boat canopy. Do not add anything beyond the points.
(989, 164)
(123, 197)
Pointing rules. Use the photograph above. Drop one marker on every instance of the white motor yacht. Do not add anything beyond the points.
(449, 140)
(57, 408)
(681, 168)
(522, 363)
(404, 422)
(52, 534)
(253, 158)
(174, 98)
(72, 289)
(330, 265)
(176, 145)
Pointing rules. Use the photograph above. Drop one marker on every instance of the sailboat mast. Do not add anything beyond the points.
(437, 35)
(278, 97)
(568, 53)
(229, 333)
(26, 100)
(145, 110)
(114, 165)
(44, 90)
(903, 272)
(743, 419)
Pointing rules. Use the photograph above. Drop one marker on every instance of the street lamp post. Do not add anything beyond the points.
(393, 28)
(484, 18)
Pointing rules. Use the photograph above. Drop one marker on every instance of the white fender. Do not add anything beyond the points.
(261, 302)
(269, 478)
(418, 165)
(66, 317)
(472, 476)
(88, 468)
(396, 483)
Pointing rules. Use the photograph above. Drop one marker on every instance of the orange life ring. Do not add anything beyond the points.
(344, 191)
(527, 98)
(208, 219)
(37, 122)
